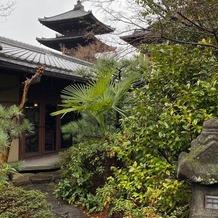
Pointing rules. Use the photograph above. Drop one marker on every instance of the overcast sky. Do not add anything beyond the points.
(23, 24)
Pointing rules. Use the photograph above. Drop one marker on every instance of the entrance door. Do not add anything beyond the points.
(45, 138)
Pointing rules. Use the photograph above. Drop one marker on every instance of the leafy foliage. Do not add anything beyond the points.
(164, 117)
(82, 129)
(5, 171)
(164, 114)
(83, 171)
(86, 164)
(17, 202)
(183, 21)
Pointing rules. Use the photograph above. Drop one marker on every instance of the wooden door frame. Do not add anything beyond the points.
(41, 133)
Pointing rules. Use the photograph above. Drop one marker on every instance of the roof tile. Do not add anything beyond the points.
(22, 54)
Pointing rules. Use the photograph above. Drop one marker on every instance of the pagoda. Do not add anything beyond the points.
(75, 28)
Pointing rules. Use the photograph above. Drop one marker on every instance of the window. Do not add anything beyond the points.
(211, 202)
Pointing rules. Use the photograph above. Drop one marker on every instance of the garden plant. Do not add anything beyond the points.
(161, 115)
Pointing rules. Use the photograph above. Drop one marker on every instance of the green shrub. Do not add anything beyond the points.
(83, 169)
(16, 202)
(164, 116)
(5, 171)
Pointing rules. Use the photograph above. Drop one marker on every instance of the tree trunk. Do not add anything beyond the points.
(4, 156)
(36, 77)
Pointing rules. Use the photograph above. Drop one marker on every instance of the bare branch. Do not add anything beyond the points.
(189, 43)
(35, 78)
(193, 23)
(6, 8)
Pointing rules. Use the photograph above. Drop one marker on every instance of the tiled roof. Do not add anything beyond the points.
(66, 16)
(29, 57)
(76, 19)
(70, 42)
(77, 12)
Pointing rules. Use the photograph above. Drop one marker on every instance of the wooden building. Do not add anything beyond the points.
(74, 28)
(18, 61)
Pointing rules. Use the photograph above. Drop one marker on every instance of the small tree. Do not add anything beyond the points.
(11, 128)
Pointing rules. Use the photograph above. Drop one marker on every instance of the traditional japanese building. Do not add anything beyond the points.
(18, 62)
(140, 37)
(74, 28)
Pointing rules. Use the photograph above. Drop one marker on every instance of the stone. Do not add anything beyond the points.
(41, 177)
(22, 179)
(59, 208)
(198, 208)
(201, 163)
(69, 211)
(56, 175)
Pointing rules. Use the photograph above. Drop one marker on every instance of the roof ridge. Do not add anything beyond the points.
(66, 12)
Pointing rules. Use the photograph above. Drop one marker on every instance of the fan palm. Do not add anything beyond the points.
(95, 98)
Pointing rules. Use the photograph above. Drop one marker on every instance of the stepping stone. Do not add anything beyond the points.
(22, 179)
(41, 178)
(69, 211)
(46, 177)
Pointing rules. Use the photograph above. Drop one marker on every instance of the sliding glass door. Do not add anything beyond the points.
(46, 136)
(32, 112)
(50, 128)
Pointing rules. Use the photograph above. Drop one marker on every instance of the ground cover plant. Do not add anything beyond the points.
(164, 112)
(17, 202)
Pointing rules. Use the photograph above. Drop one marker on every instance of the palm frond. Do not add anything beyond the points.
(119, 110)
(75, 92)
(63, 111)
(119, 89)
(99, 86)
(98, 97)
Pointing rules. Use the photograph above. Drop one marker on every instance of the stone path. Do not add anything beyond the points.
(58, 208)
(45, 182)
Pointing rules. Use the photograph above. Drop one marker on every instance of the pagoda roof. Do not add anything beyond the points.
(76, 19)
(140, 37)
(70, 42)
(25, 57)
